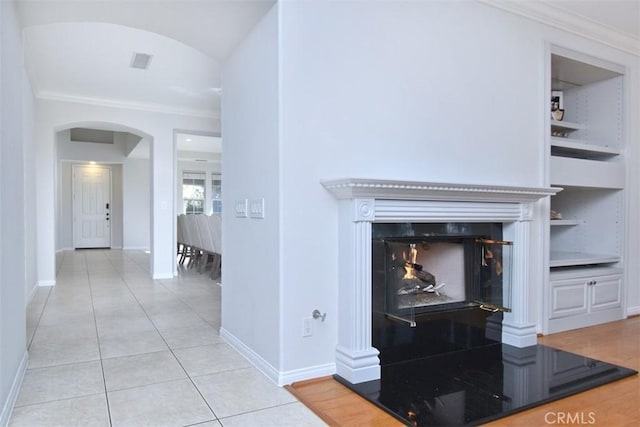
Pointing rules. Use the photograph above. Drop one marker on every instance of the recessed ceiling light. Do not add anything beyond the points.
(188, 139)
(140, 60)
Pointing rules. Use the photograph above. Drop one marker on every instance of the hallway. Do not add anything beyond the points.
(108, 346)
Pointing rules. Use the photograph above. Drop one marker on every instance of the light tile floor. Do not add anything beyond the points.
(108, 346)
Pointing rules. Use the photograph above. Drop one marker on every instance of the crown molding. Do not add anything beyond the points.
(148, 107)
(557, 17)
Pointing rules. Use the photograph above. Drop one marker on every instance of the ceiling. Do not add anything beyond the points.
(81, 49)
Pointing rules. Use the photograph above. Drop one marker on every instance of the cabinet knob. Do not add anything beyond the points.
(591, 282)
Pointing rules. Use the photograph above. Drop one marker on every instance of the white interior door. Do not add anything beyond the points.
(91, 206)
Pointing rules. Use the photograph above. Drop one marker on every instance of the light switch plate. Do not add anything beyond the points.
(241, 208)
(256, 208)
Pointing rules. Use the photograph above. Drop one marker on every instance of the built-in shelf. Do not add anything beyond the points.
(567, 147)
(566, 125)
(570, 259)
(566, 222)
(587, 159)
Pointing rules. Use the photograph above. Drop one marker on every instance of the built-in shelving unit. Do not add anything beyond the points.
(565, 222)
(587, 160)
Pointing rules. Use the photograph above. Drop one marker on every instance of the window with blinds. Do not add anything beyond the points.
(216, 194)
(193, 192)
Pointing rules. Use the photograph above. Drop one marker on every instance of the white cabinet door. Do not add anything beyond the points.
(584, 297)
(605, 293)
(569, 297)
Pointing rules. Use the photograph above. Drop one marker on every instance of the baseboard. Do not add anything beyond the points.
(256, 360)
(63, 250)
(280, 378)
(12, 397)
(32, 293)
(46, 282)
(633, 311)
(162, 276)
(312, 372)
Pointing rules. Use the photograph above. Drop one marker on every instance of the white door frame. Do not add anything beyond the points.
(74, 167)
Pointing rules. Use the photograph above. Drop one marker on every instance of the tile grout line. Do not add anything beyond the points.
(95, 325)
(124, 280)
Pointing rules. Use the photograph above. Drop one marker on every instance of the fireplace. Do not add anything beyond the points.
(365, 205)
(433, 314)
(418, 268)
(436, 287)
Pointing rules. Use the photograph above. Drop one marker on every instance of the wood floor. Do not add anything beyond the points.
(613, 405)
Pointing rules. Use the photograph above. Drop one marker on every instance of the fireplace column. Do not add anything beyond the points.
(518, 329)
(356, 360)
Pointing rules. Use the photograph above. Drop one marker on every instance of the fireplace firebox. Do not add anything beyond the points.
(427, 267)
(438, 287)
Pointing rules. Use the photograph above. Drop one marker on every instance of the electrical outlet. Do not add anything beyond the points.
(307, 327)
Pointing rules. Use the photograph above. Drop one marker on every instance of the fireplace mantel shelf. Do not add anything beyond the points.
(350, 188)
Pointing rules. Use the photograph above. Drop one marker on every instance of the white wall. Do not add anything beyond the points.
(251, 297)
(429, 91)
(425, 91)
(15, 119)
(53, 116)
(136, 202)
(30, 212)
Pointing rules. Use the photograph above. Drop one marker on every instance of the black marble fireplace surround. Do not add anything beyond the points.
(451, 368)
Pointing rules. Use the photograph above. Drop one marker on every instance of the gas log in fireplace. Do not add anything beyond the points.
(436, 287)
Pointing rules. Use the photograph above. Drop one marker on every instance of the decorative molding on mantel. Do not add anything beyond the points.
(554, 16)
(352, 188)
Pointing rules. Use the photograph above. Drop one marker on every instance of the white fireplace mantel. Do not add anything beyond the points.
(365, 201)
(351, 188)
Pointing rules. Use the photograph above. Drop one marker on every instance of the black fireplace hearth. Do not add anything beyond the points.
(484, 383)
(442, 359)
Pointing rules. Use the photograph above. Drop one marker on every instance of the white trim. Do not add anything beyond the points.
(290, 377)
(278, 377)
(32, 293)
(633, 311)
(135, 248)
(519, 335)
(351, 188)
(256, 360)
(12, 397)
(44, 283)
(555, 16)
(150, 107)
(158, 276)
